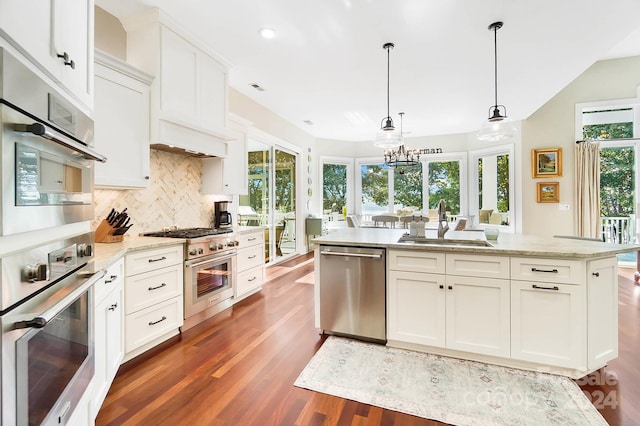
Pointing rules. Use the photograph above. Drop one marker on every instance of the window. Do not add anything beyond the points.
(384, 189)
(337, 185)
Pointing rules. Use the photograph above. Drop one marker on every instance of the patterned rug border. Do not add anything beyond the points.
(578, 401)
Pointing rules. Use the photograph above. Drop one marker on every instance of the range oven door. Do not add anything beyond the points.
(208, 282)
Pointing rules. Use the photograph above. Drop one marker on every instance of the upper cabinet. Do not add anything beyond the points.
(229, 175)
(57, 37)
(121, 123)
(189, 95)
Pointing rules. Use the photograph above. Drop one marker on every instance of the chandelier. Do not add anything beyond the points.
(387, 137)
(497, 127)
(401, 158)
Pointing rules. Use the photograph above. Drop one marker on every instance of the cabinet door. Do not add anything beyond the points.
(73, 36)
(178, 74)
(602, 308)
(478, 315)
(548, 323)
(27, 24)
(109, 345)
(121, 129)
(212, 94)
(416, 308)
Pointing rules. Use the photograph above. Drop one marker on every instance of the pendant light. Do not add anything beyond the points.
(497, 126)
(388, 137)
(402, 158)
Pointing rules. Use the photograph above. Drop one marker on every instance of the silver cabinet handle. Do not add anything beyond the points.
(111, 279)
(538, 287)
(159, 321)
(335, 253)
(551, 271)
(157, 287)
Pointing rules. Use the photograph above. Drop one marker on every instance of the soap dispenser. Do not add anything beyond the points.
(413, 227)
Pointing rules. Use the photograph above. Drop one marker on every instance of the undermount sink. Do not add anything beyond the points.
(443, 241)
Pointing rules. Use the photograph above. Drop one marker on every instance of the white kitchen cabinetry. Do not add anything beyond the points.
(57, 36)
(153, 297)
(121, 116)
(189, 94)
(548, 311)
(602, 312)
(249, 263)
(109, 340)
(451, 311)
(229, 175)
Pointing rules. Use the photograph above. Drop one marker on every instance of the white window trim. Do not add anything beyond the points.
(474, 176)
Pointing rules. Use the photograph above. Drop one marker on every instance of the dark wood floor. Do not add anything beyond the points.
(238, 368)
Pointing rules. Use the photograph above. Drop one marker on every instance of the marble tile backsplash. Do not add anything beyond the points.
(173, 197)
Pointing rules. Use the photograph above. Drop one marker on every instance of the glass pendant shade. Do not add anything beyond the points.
(388, 139)
(497, 130)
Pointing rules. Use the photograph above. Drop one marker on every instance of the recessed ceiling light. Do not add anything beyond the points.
(257, 87)
(267, 33)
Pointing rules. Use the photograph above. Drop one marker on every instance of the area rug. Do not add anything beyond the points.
(449, 390)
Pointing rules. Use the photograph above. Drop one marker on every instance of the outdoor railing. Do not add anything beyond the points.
(618, 230)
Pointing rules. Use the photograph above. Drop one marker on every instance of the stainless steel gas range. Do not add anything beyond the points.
(209, 267)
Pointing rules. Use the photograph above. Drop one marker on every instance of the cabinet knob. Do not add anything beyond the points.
(66, 60)
(450, 287)
(146, 177)
(595, 274)
(441, 286)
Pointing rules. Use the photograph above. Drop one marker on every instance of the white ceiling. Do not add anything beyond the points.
(327, 64)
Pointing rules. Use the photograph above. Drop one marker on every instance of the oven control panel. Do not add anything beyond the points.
(210, 246)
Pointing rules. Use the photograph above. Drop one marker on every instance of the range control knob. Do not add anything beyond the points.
(35, 272)
(220, 246)
(193, 252)
(213, 247)
(200, 250)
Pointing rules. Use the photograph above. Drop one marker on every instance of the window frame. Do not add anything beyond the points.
(341, 161)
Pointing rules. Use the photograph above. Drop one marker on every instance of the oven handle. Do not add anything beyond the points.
(224, 256)
(39, 129)
(42, 320)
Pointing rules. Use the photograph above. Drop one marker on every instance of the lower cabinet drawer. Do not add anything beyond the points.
(249, 280)
(144, 290)
(148, 324)
(560, 271)
(149, 260)
(250, 257)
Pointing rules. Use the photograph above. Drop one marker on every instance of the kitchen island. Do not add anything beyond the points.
(522, 301)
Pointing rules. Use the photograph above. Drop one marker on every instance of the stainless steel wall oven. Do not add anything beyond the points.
(46, 168)
(46, 314)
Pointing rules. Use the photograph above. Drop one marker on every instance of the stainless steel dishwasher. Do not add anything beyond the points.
(352, 292)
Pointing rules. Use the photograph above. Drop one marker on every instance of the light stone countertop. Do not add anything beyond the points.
(506, 245)
(108, 253)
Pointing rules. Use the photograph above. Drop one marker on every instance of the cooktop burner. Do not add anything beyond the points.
(188, 232)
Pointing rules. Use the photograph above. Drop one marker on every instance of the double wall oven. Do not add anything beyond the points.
(209, 267)
(46, 267)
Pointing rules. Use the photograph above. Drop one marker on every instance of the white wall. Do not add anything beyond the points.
(553, 125)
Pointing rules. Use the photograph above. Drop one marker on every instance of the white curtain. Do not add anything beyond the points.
(587, 175)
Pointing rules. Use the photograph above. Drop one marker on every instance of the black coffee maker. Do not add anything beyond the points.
(221, 217)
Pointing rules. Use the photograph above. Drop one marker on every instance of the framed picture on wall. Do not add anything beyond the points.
(546, 162)
(548, 192)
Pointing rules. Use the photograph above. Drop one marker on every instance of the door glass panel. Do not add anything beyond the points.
(493, 189)
(212, 278)
(617, 190)
(285, 203)
(255, 206)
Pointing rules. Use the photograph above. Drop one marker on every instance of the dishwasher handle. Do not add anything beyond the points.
(335, 253)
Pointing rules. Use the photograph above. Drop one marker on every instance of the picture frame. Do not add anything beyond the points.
(548, 192)
(546, 162)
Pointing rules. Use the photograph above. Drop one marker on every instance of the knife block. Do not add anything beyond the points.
(104, 234)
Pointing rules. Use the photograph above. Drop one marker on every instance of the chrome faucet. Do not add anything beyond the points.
(442, 217)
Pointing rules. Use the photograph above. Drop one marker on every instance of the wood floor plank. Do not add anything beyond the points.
(238, 368)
